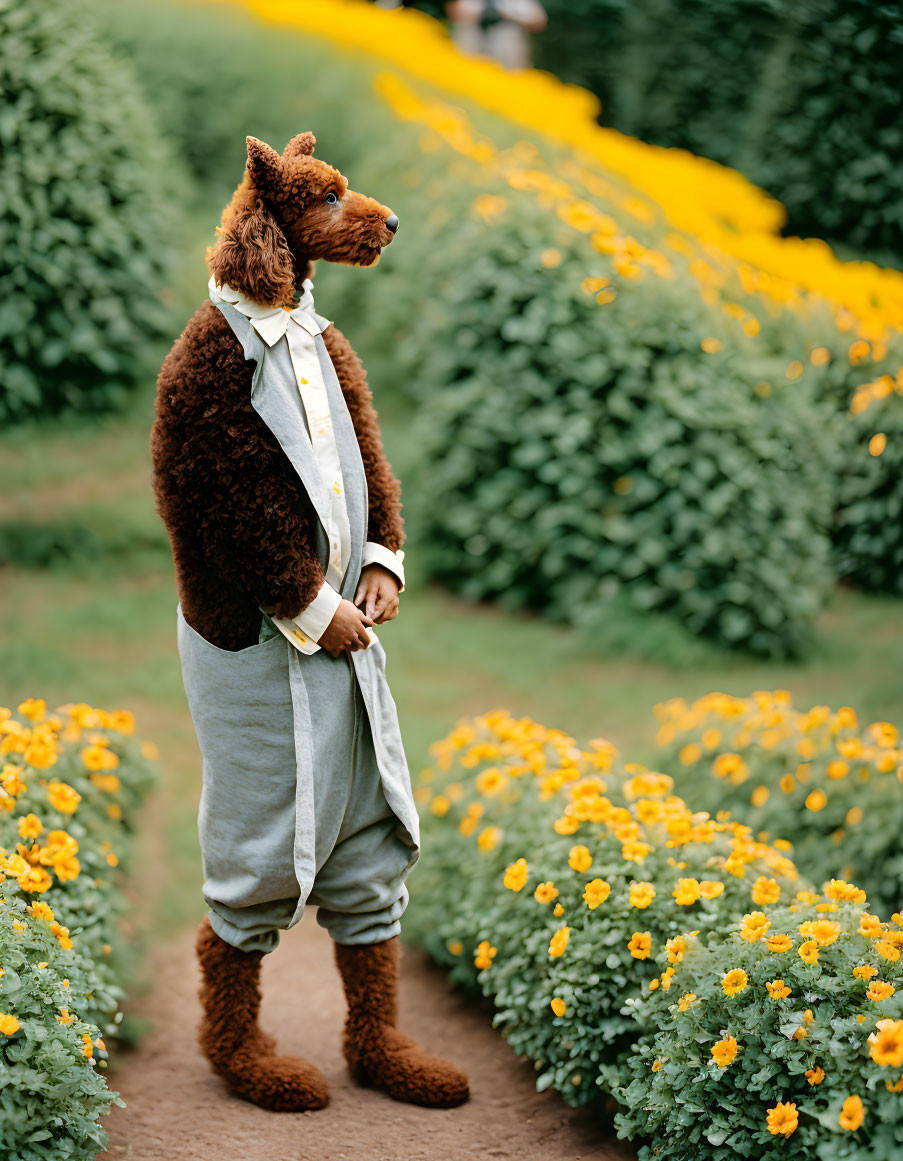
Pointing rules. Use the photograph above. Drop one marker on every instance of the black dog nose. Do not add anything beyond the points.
(392, 223)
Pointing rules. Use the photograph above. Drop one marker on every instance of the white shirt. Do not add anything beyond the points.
(301, 326)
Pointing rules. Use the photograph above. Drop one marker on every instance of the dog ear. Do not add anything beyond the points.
(300, 145)
(252, 254)
(264, 166)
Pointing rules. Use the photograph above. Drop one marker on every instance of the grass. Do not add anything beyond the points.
(87, 612)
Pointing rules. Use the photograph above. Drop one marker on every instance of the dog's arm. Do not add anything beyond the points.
(385, 526)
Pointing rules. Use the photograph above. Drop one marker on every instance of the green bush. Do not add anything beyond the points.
(814, 777)
(70, 786)
(711, 1075)
(88, 203)
(575, 452)
(544, 864)
(869, 518)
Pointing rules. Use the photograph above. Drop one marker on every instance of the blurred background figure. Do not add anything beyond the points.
(500, 29)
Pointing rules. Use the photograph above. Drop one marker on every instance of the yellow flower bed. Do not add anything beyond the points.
(70, 782)
(634, 944)
(818, 776)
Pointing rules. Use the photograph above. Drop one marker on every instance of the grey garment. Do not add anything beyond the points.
(287, 755)
(249, 817)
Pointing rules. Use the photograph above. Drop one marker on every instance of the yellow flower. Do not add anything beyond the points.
(753, 926)
(41, 911)
(887, 950)
(852, 1114)
(760, 796)
(558, 911)
(711, 346)
(62, 797)
(491, 782)
(730, 766)
(686, 893)
(9, 1025)
(484, 956)
(65, 1017)
(724, 1051)
(887, 1043)
(783, 1119)
(824, 931)
(656, 1065)
(35, 879)
(878, 991)
(33, 708)
(455, 946)
(870, 926)
(545, 892)
(440, 805)
(516, 875)
(676, 948)
(559, 941)
(844, 892)
(815, 1075)
(765, 891)
(580, 859)
(778, 990)
(640, 945)
(734, 982)
(865, 971)
(641, 895)
(489, 838)
(686, 1001)
(30, 826)
(62, 934)
(40, 754)
(816, 800)
(635, 852)
(559, 1007)
(107, 782)
(99, 758)
(596, 892)
(808, 951)
(711, 888)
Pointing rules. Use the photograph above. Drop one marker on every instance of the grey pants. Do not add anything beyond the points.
(248, 825)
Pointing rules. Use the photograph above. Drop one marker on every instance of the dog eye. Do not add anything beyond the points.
(331, 199)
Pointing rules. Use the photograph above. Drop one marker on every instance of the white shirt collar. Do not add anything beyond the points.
(271, 322)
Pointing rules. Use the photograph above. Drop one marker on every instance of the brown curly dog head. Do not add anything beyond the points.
(288, 212)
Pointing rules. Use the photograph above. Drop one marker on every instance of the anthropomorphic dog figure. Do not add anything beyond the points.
(286, 530)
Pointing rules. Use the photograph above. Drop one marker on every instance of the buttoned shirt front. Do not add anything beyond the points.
(300, 327)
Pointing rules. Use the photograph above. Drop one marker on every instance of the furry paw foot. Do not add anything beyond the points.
(285, 1084)
(399, 1066)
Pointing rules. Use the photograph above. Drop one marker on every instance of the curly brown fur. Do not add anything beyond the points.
(376, 1052)
(241, 525)
(232, 1041)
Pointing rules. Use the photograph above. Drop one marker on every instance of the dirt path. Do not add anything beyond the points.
(178, 1111)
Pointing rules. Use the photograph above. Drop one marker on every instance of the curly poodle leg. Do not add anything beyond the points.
(376, 1052)
(232, 1041)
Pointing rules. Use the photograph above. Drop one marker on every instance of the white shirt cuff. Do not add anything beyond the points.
(378, 554)
(314, 620)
